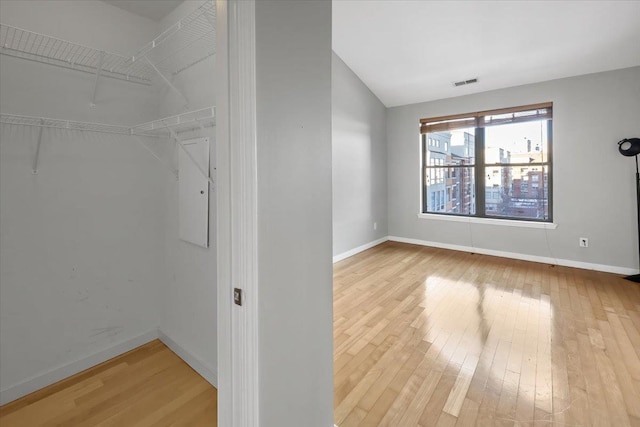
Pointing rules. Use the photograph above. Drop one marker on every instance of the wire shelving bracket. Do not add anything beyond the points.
(43, 122)
(36, 157)
(169, 127)
(185, 43)
(174, 125)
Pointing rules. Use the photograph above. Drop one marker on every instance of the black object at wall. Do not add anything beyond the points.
(630, 147)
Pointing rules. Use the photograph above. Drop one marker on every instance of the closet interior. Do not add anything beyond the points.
(107, 187)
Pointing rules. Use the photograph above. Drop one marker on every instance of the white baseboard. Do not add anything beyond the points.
(359, 249)
(524, 257)
(205, 371)
(54, 375)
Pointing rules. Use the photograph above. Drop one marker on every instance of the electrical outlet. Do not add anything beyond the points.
(584, 242)
(375, 225)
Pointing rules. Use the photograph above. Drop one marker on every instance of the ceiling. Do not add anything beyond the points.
(412, 51)
(152, 9)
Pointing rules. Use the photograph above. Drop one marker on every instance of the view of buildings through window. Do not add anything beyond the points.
(450, 172)
(499, 170)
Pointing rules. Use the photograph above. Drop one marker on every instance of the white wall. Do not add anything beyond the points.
(82, 241)
(359, 138)
(189, 298)
(293, 81)
(593, 185)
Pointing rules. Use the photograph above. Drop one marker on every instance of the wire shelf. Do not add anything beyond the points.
(33, 46)
(184, 122)
(13, 119)
(181, 123)
(186, 43)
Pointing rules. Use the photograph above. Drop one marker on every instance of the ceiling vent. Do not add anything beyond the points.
(465, 82)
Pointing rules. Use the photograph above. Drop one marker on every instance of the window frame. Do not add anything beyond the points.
(481, 167)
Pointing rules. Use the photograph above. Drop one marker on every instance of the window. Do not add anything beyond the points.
(497, 164)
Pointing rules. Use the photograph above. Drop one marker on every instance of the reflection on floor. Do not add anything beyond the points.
(149, 386)
(427, 337)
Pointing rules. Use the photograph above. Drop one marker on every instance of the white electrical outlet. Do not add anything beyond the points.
(375, 225)
(584, 242)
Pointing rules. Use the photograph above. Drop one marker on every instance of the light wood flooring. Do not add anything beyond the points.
(148, 386)
(422, 337)
(430, 337)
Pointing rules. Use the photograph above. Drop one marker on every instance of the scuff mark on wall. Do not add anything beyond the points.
(109, 331)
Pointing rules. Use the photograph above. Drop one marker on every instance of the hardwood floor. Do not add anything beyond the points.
(430, 337)
(422, 337)
(148, 386)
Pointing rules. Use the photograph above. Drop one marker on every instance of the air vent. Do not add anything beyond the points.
(465, 82)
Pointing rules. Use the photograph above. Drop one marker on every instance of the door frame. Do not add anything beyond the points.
(237, 244)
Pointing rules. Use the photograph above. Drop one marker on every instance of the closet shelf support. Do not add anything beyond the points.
(36, 157)
(193, 160)
(168, 82)
(162, 128)
(141, 142)
(98, 72)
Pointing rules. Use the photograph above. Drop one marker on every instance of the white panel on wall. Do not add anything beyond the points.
(193, 191)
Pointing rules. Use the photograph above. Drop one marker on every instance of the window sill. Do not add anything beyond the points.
(490, 221)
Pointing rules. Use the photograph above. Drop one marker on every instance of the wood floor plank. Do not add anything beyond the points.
(380, 408)
(630, 393)
(148, 386)
(598, 410)
(454, 402)
(192, 413)
(504, 342)
(468, 413)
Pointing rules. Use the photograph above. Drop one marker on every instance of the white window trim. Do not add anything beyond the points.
(490, 221)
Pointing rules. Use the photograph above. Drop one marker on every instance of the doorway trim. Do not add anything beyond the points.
(237, 256)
